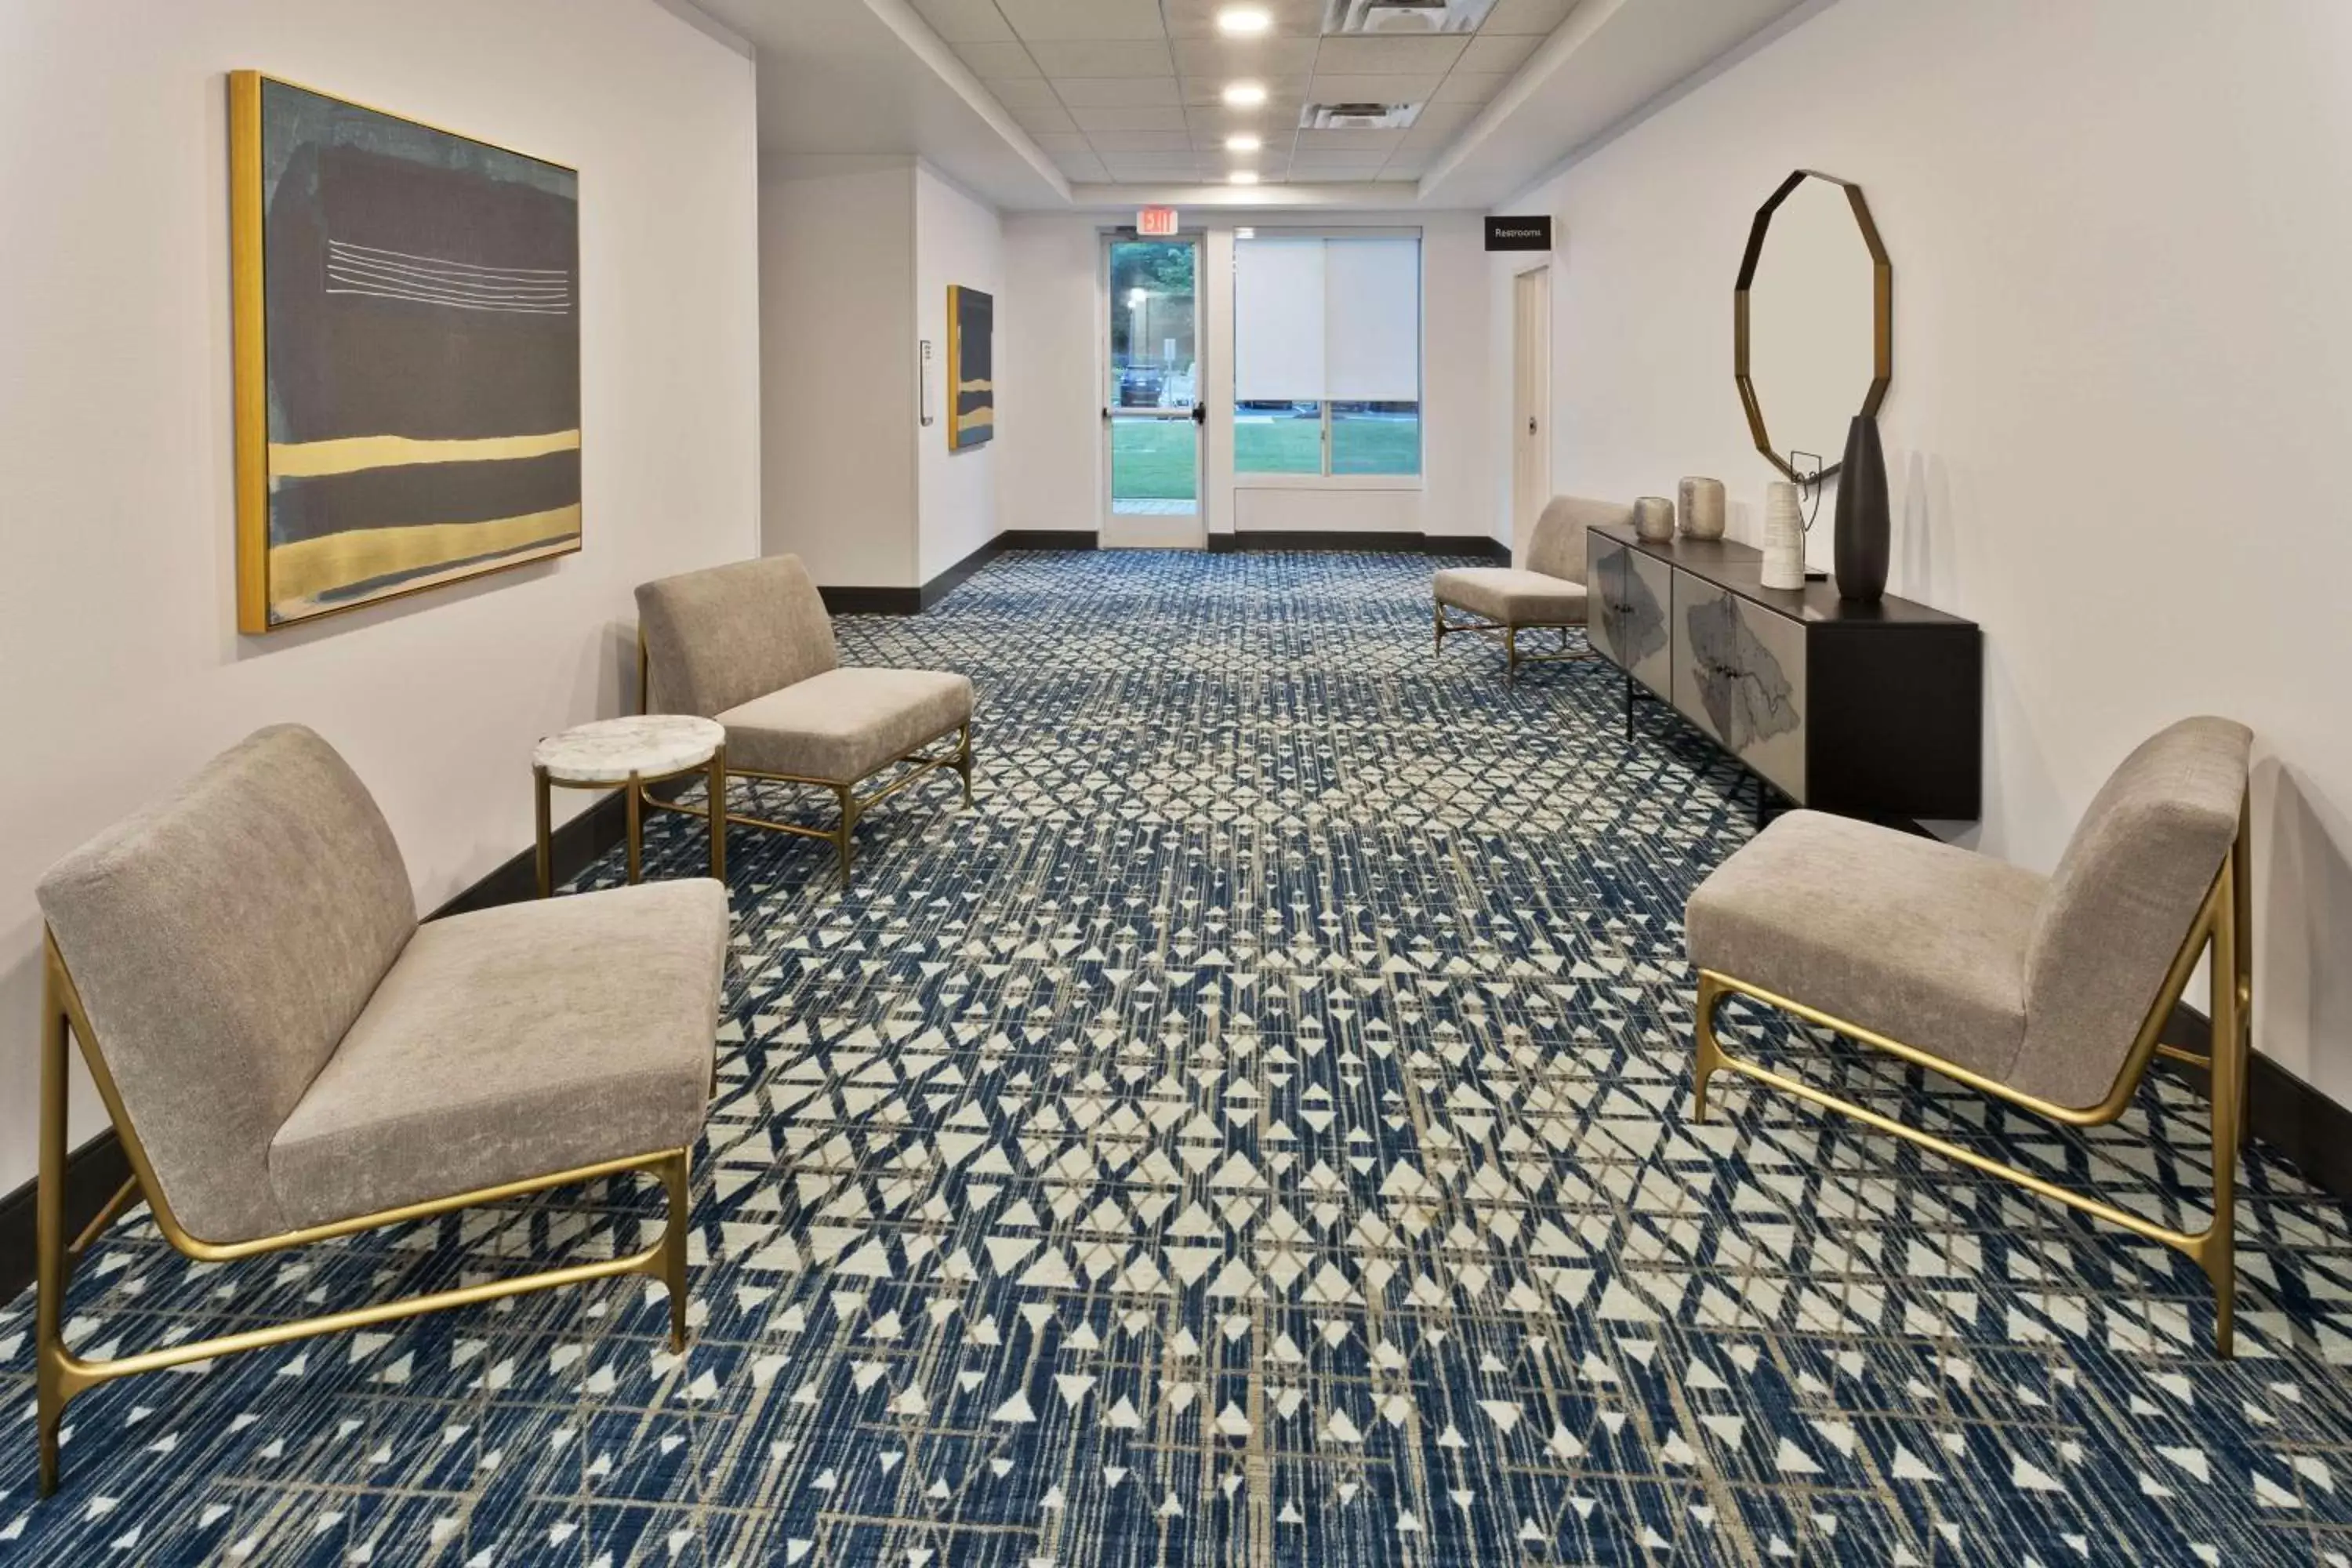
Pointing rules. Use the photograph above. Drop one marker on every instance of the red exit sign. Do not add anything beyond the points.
(1155, 221)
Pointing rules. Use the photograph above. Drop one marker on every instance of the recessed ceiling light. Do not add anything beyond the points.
(1244, 143)
(1242, 177)
(1244, 21)
(1244, 94)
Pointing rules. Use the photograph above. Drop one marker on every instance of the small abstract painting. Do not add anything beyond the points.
(972, 368)
(407, 352)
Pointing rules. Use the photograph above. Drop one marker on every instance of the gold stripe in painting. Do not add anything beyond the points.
(309, 567)
(351, 454)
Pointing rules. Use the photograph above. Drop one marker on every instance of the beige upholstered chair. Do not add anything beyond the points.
(289, 1055)
(751, 646)
(2052, 993)
(1550, 592)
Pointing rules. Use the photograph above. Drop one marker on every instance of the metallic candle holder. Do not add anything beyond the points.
(1654, 519)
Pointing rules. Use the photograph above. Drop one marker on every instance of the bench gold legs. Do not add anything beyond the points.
(1512, 657)
(60, 1376)
(850, 806)
(2222, 924)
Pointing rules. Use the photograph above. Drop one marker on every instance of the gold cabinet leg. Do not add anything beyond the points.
(1439, 611)
(963, 764)
(1511, 653)
(1710, 1054)
(50, 1263)
(718, 814)
(677, 1180)
(545, 810)
(635, 808)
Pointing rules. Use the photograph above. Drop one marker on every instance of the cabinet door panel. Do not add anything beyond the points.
(1739, 675)
(1646, 630)
(1605, 569)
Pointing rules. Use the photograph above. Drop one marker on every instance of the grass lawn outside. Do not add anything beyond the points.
(1154, 459)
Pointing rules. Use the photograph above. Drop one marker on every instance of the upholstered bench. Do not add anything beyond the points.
(2050, 992)
(751, 645)
(1549, 593)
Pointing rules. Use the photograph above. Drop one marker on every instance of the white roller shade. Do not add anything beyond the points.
(1371, 314)
(1278, 316)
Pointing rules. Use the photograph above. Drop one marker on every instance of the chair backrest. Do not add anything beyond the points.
(718, 637)
(222, 942)
(1557, 550)
(2121, 902)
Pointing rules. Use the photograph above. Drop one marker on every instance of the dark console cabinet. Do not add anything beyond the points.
(1872, 711)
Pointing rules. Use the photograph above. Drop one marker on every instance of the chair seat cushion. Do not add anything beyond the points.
(844, 724)
(1914, 939)
(513, 1043)
(1511, 596)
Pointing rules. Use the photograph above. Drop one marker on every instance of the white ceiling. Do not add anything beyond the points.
(1054, 103)
(1128, 92)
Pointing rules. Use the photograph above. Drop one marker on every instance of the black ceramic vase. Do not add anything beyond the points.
(1862, 522)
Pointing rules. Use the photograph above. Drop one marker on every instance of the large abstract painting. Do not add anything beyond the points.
(408, 354)
(972, 368)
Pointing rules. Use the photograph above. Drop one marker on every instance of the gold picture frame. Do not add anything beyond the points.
(405, 354)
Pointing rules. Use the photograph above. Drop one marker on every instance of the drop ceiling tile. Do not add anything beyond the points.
(1051, 121)
(1442, 120)
(1500, 52)
(1307, 168)
(1226, 58)
(1283, 96)
(1128, 118)
(1198, 18)
(1325, 89)
(1469, 87)
(1110, 141)
(1036, 20)
(1389, 57)
(1537, 16)
(1409, 164)
(1082, 166)
(1057, 143)
(1117, 91)
(1095, 58)
(1125, 165)
(999, 60)
(1032, 94)
(965, 21)
(1359, 143)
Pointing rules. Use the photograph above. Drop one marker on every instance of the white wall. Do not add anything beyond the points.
(837, 345)
(117, 616)
(1050, 344)
(2123, 380)
(1049, 447)
(957, 241)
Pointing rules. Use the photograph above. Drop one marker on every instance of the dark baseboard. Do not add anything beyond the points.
(915, 601)
(2312, 1132)
(96, 1170)
(872, 601)
(1408, 544)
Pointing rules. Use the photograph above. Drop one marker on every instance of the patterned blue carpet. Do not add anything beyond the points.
(1256, 1132)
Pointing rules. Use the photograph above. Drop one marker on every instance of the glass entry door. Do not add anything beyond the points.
(1152, 413)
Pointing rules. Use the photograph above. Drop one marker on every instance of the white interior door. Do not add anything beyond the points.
(1530, 403)
(1154, 383)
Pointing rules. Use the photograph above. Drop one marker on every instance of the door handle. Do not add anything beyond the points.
(1200, 413)
(1531, 423)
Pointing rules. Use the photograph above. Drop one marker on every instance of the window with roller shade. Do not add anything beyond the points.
(1327, 355)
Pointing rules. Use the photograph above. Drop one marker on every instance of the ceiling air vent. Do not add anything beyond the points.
(1408, 16)
(1357, 116)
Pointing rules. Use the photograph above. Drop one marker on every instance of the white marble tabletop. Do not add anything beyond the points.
(610, 749)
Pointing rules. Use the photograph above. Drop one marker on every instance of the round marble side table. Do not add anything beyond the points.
(632, 754)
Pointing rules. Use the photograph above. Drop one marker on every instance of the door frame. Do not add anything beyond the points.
(1530, 403)
(1144, 532)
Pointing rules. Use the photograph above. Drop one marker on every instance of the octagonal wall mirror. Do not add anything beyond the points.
(1812, 319)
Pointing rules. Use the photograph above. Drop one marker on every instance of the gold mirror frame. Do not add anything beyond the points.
(1882, 277)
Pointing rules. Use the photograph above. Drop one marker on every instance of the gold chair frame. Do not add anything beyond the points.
(853, 806)
(2224, 922)
(1512, 657)
(60, 1376)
